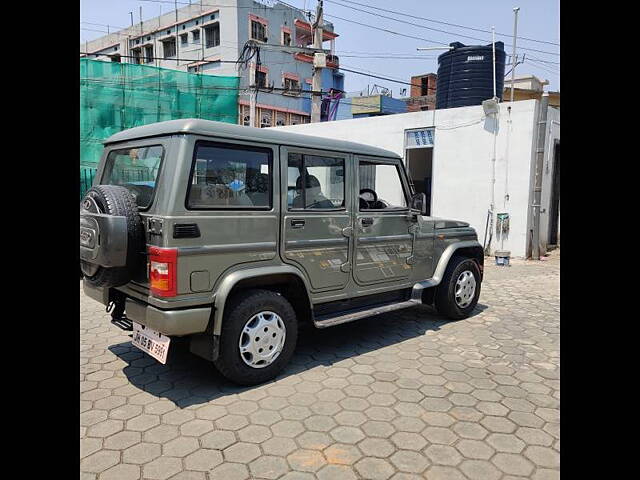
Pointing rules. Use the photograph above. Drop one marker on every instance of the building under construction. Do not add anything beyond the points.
(209, 40)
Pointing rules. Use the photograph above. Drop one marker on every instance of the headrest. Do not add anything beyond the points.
(312, 182)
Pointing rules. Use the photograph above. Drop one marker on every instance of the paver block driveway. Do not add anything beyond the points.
(405, 395)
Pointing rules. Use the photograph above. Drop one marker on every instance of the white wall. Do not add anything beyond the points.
(462, 166)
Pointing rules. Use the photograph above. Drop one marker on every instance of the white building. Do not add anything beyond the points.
(449, 157)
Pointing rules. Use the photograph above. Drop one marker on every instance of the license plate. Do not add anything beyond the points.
(150, 341)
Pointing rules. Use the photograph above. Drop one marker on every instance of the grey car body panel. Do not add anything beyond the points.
(400, 249)
(445, 256)
(226, 286)
(98, 294)
(171, 322)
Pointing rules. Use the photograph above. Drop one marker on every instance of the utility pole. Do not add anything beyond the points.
(175, 2)
(316, 98)
(141, 30)
(493, 49)
(252, 98)
(513, 56)
(537, 182)
(253, 89)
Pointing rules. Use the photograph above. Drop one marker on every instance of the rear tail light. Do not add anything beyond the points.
(163, 268)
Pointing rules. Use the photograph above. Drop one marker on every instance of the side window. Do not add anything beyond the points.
(380, 187)
(230, 176)
(315, 182)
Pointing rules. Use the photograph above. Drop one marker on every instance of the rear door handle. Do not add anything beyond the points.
(367, 221)
(297, 223)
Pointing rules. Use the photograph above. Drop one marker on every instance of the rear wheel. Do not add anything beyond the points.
(259, 335)
(458, 293)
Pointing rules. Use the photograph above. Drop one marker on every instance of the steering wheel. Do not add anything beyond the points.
(367, 198)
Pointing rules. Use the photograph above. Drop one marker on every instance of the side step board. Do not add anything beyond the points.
(329, 321)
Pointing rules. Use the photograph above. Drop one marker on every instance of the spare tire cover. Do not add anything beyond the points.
(115, 200)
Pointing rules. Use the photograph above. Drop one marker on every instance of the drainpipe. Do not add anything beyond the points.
(537, 185)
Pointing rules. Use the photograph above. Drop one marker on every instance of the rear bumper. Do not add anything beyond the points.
(185, 321)
(169, 322)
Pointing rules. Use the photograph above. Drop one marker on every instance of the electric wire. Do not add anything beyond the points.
(446, 23)
(428, 28)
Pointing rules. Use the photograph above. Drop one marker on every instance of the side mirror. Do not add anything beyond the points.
(419, 203)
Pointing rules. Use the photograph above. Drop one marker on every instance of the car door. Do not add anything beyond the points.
(384, 229)
(316, 215)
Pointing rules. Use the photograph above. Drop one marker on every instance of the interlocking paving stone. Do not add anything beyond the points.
(403, 396)
(374, 468)
(475, 449)
(377, 447)
(306, 460)
(513, 464)
(268, 467)
(203, 460)
(342, 454)
(121, 472)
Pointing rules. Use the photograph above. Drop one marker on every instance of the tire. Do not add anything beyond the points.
(239, 312)
(445, 298)
(116, 200)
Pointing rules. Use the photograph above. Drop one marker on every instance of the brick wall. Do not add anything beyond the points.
(416, 87)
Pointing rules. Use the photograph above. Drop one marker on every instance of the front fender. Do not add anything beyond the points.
(448, 252)
(231, 280)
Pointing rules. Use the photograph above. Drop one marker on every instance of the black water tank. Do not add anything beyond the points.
(465, 75)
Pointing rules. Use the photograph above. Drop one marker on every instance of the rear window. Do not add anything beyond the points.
(136, 169)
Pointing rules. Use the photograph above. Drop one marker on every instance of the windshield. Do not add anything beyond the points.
(135, 168)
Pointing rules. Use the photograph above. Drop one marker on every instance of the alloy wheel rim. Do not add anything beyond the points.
(465, 289)
(262, 339)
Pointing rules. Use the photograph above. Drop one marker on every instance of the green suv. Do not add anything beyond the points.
(235, 235)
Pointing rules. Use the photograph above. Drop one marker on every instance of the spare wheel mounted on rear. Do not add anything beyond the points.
(111, 236)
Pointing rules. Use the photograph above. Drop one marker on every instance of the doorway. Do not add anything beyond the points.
(420, 168)
(554, 212)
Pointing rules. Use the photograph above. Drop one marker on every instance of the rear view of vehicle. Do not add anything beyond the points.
(114, 233)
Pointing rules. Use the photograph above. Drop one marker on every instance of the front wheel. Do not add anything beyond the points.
(259, 335)
(458, 293)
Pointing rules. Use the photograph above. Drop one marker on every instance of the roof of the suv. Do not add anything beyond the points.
(232, 131)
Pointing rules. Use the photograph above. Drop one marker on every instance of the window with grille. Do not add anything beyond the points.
(137, 55)
(293, 86)
(258, 31)
(169, 48)
(184, 39)
(286, 38)
(212, 35)
(265, 120)
(196, 36)
(148, 54)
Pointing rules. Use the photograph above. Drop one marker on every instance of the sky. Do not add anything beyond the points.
(381, 53)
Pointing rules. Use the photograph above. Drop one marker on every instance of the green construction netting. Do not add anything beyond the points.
(116, 96)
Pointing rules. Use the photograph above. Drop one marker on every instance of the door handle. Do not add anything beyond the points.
(297, 223)
(366, 221)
